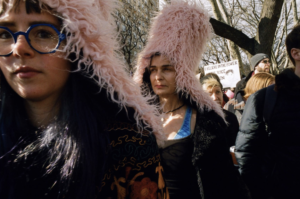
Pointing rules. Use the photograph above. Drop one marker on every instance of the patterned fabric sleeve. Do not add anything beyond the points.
(135, 170)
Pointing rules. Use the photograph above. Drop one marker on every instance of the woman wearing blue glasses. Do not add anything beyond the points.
(72, 123)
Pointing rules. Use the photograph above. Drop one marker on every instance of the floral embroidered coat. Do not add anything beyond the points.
(134, 169)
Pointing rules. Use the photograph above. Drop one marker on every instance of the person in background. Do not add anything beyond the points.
(215, 76)
(195, 157)
(258, 63)
(269, 157)
(72, 122)
(257, 82)
(214, 88)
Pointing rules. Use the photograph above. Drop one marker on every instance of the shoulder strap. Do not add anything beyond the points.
(270, 100)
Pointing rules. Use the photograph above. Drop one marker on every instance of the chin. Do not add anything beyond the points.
(32, 98)
(159, 92)
(219, 103)
(31, 95)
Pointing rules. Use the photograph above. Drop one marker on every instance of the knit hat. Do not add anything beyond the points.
(256, 59)
(91, 37)
(180, 32)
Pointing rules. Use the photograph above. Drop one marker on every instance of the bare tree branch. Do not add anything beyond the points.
(237, 36)
(295, 13)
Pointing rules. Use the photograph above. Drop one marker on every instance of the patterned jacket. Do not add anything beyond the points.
(134, 169)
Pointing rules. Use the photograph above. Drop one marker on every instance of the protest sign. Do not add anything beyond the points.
(228, 72)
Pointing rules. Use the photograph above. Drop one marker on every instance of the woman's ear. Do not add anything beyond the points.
(295, 52)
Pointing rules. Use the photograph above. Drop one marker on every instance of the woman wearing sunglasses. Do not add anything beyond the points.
(72, 123)
(195, 157)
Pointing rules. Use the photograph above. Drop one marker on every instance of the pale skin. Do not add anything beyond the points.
(263, 66)
(163, 82)
(215, 93)
(295, 52)
(42, 89)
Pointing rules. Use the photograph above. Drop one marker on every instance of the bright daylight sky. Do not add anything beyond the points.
(207, 3)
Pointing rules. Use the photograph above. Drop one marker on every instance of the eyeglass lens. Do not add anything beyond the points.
(266, 61)
(42, 38)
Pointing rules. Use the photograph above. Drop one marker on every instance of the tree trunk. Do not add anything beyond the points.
(216, 10)
(267, 25)
(295, 13)
(263, 41)
(221, 15)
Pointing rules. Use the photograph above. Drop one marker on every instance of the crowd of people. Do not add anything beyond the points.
(74, 125)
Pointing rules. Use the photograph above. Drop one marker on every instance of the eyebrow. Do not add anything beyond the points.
(167, 65)
(13, 24)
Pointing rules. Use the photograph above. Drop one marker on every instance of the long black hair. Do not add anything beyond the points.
(75, 143)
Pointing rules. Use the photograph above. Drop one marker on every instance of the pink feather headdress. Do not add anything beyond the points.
(92, 36)
(180, 32)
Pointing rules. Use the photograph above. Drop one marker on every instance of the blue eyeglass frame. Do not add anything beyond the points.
(61, 37)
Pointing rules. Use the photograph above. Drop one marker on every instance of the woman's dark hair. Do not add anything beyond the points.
(31, 6)
(293, 41)
(77, 141)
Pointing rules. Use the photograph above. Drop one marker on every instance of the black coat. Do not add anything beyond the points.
(232, 128)
(242, 83)
(216, 175)
(270, 160)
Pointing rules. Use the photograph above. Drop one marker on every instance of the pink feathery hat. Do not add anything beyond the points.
(180, 32)
(92, 37)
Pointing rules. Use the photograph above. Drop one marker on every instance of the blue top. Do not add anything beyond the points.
(185, 129)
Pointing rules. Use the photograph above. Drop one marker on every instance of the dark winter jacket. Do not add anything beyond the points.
(242, 83)
(269, 160)
(216, 175)
(232, 128)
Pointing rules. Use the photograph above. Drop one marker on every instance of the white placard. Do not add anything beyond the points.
(229, 72)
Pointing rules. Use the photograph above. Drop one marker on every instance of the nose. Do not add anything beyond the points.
(158, 75)
(214, 96)
(22, 48)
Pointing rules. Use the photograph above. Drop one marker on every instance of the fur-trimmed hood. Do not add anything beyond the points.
(180, 32)
(92, 37)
